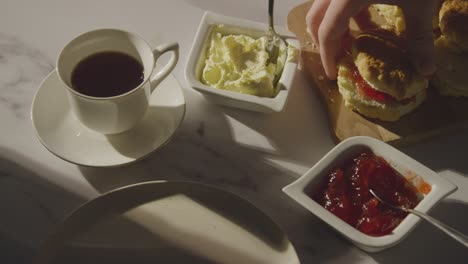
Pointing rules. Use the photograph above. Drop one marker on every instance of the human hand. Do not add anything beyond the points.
(328, 21)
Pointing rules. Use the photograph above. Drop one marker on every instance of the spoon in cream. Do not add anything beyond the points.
(275, 41)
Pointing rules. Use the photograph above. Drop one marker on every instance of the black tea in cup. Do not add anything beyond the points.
(107, 74)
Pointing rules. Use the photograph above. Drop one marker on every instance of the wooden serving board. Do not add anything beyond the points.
(437, 115)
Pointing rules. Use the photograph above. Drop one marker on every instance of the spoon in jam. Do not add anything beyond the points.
(455, 234)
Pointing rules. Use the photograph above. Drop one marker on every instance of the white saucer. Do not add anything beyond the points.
(167, 222)
(62, 134)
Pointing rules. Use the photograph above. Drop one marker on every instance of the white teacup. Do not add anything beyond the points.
(116, 114)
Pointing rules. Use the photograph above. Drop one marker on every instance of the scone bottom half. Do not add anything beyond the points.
(378, 80)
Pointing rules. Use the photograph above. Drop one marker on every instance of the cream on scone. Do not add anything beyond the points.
(378, 79)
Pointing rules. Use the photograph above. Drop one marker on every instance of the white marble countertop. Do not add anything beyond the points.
(252, 155)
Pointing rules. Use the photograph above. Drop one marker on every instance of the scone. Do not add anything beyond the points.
(394, 18)
(453, 21)
(378, 79)
(451, 78)
(451, 49)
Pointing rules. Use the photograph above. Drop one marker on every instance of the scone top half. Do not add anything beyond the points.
(379, 60)
(453, 21)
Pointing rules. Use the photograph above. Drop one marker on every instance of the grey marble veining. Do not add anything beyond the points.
(22, 67)
(191, 157)
(251, 155)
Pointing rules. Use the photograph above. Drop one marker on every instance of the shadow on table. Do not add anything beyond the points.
(427, 244)
(155, 129)
(240, 170)
(147, 220)
(442, 153)
(300, 133)
(208, 150)
(30, 206)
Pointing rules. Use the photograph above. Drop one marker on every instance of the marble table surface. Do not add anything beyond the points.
(252, 155)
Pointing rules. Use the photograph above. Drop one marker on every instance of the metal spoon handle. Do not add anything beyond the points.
(271, 4)
(455, 234)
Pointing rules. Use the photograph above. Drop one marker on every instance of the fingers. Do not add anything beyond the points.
(334, 24)
(315, 16)
(419, 14)
(328, 20)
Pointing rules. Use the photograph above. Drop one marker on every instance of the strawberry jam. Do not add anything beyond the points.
(365, 90)
(345, 193)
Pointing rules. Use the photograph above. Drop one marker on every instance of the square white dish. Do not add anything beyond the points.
(196, 62)
(404, 164)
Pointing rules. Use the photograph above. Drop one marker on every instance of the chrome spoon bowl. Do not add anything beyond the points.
(455, 234)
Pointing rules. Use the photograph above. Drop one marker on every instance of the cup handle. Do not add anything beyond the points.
(164, 72)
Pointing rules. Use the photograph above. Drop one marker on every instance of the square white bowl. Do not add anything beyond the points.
(197, 56)
(402, 163)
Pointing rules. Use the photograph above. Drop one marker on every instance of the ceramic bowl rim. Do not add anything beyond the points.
(440, 189)
(209, 19)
